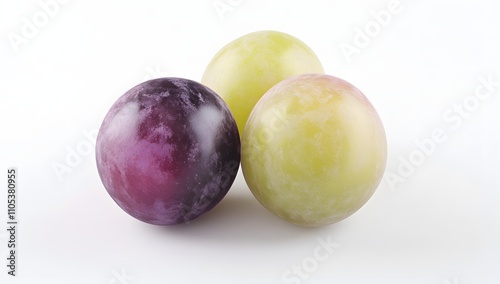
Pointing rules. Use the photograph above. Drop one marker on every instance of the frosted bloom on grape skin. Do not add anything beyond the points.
(161, 146)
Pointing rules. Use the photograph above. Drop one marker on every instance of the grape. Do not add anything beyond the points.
(168, 151)
(243, 70)
(314, 150)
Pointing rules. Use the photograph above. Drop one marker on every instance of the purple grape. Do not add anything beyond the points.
(168, 151)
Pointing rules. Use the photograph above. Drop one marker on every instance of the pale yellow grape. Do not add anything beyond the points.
(313, 150)
(243, 70)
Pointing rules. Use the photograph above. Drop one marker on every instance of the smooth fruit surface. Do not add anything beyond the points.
(243, 70)
(168, 151)
(313, 150)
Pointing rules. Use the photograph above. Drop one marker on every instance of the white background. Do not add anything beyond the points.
(438, 223)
